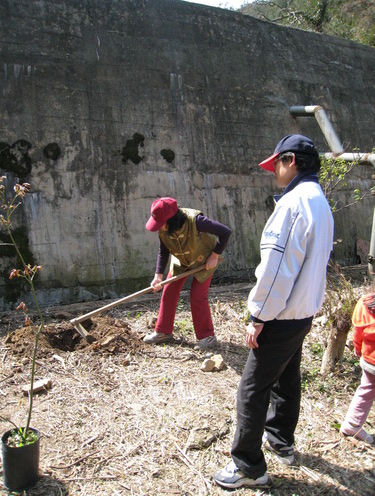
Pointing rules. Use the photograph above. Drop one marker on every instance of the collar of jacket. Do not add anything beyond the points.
(302, 177)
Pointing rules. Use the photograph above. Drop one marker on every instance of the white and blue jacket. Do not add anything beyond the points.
(295, 248)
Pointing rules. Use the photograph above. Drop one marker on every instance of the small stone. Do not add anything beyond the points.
(218, 361)
(41, 385)
(208, 365)
(108, 340)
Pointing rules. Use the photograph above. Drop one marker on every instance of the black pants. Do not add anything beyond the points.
(269, 393)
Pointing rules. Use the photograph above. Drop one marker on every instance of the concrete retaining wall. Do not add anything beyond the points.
(106, 105)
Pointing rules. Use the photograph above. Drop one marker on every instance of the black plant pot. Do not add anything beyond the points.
(20, 465)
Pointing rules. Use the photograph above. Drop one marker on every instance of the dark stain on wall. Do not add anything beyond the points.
(131, 149)
(52, 151)
(15, 158)
(168, 155)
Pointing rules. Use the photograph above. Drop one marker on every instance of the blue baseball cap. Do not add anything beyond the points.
(291, 143)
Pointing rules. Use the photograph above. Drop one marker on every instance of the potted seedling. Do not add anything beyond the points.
(20, 444)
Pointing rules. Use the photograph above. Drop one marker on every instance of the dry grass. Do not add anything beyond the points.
(123, 417)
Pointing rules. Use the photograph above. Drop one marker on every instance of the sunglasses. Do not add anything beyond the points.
(285, 158)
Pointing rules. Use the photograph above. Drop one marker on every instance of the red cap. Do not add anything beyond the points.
(162, 209)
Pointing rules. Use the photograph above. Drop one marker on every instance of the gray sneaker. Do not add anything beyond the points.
(232, 478)
(284, 455)
(158, 338)
(203, 344)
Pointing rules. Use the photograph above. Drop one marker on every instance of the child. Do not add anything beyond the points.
(364, 346)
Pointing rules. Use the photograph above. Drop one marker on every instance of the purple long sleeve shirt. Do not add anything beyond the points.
(203, 224)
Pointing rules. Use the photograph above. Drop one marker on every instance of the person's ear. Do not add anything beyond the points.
(293, 162)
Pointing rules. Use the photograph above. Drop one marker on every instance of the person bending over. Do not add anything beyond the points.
(192, 239)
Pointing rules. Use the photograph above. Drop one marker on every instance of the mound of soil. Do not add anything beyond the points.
(107, 334)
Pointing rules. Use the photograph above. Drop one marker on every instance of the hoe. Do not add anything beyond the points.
(77, 321)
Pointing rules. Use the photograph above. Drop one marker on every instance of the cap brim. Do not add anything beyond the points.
(268, 164)
(152, 225)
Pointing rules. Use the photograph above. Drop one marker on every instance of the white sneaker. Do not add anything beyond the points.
(158, 338)
(232, 478)
(205, 343)
(284, 455)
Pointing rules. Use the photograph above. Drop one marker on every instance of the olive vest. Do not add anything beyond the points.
(189, 247)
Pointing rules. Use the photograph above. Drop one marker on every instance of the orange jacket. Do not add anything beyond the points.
(364, 331)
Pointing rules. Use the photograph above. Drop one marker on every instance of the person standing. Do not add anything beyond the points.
(363, 320)
(193, 239)
(295, 248)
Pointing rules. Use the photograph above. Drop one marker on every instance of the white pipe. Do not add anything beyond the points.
(338, 152)
(324, 124)
(328, 131)
(354, 157)
(330, 135)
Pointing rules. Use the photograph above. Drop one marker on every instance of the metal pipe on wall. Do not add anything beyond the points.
(337, 151)
(354, 157)
(324, 123)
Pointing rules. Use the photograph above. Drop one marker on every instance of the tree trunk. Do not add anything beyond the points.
(335, 347)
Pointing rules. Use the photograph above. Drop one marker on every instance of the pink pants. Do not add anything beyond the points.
(200, 309)
(362, 401)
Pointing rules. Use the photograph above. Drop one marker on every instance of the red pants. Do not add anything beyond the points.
(200, 309)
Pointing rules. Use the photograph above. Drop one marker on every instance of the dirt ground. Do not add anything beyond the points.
(123, 417)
